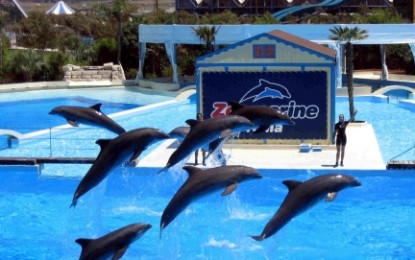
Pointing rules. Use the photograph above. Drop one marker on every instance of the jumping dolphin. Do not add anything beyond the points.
(303, 195)
(87, 115)
(204, 132)
(262, 116)
(113, 245)
(179, 132)
(202, 182)
(114, 152)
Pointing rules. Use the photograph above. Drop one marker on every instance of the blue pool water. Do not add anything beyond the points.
(374, 221)
(35, 113)
(393, 124)
(28, 111)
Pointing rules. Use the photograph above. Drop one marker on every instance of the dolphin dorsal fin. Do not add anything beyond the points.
(84, 242)
(191, 170)
(192, 122)
(97, 107)
(103, 142)
(235, 105)
(291, 184)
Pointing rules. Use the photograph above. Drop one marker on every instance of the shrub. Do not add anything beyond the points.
(105, 50)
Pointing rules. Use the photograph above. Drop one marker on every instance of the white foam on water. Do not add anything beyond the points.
(221, 243)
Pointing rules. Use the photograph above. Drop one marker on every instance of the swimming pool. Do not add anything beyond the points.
(392, 122)
(386, 118)
(28, 111)
(372, 222)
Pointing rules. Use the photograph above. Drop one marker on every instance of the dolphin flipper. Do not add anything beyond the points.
(229, 189)
(331, 196)
(73, 123)
(213, 146)
(135, 155)
(218, 142)
(119, 252)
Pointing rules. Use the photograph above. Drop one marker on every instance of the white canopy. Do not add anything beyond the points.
(60, 8)
(170, 35)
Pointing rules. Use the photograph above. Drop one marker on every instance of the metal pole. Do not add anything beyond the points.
(50, 142)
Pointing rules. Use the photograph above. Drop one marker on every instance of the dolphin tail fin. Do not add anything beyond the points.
(74, 200)
(164, 169)
(161, 229)
(258, 238)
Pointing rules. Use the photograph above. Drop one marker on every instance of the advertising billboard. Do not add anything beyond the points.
(303, 95)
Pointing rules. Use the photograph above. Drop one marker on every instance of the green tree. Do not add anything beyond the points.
(267, 18)
(1, 43)
(37, 31)
(208, 35)
(225, 17)
(119, 11)
(346, 35)
(25, 65)
(378, 16)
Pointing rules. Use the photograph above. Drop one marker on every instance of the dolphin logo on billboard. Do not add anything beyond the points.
(266, 89)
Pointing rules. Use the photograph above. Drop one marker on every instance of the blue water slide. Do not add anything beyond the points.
(301, 8)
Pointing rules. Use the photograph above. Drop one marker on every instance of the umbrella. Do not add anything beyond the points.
(60, 8)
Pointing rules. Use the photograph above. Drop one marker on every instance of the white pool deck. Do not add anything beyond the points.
(362, 153)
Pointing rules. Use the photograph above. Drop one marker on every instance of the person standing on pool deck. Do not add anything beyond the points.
(199, 117)
(341, 139)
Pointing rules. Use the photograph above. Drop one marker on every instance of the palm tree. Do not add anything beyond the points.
(346, 35)
(1, 44)
(208, 35)
(120, 12)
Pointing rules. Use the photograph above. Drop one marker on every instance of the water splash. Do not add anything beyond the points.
(131, 209)
(237, 211)
(221, 243)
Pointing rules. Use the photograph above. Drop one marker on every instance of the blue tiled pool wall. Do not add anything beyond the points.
(4, 142)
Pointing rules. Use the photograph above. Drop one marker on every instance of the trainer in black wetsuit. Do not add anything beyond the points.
(341, 138)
